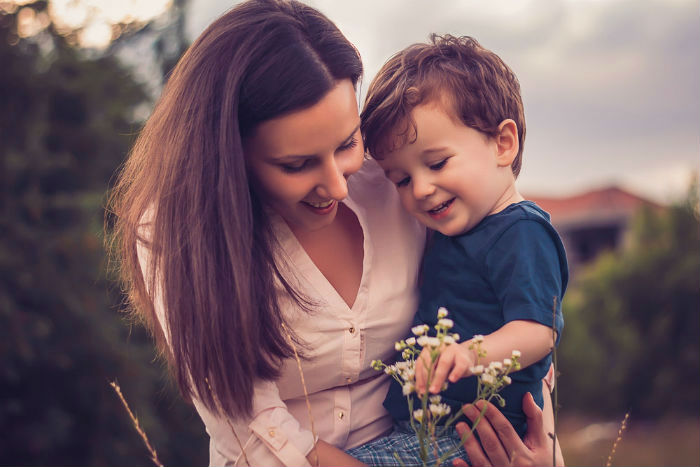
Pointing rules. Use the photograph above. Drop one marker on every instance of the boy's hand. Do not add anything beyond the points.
(453, 363)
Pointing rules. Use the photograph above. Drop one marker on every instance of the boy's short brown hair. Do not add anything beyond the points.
(474, 83)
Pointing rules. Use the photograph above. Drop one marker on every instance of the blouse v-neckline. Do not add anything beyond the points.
(303, 263)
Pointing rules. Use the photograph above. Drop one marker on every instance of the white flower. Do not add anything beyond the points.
(418, 414)
(496, 365)
(411, 341)
(442, 312)
(455, 336)
(448, 340)
(398, 345)
(439, 409)
(390, 370)
(420, 329)
(435, 399)
(446, 323)
(478, 338)
(507, 361)
(506, 379)
(515, 354)
(408, 388)
(409, 374)
(477, 370)
(423, 341)
(488, 378)
(433, 342)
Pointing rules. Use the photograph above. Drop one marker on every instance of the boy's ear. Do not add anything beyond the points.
(507, 142)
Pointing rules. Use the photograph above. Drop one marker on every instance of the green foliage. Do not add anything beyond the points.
(66, 124)
(633, 321)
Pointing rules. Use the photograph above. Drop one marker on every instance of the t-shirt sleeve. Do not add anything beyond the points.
(525, 270)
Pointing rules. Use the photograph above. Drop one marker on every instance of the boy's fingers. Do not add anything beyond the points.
(420, 379)
(459, 370)
(422, 366)
(443, 367)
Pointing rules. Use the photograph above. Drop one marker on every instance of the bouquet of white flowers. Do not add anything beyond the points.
(431, 420)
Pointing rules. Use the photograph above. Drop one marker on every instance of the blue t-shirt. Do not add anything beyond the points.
(509, 267)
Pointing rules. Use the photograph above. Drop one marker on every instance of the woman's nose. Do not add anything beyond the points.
(333, 184)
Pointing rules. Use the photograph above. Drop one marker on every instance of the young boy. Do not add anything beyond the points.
(445, 121)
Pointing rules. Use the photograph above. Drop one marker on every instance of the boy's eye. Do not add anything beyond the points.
(438, 165)
(403, 182)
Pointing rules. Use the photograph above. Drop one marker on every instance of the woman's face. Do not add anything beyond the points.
(300, 161)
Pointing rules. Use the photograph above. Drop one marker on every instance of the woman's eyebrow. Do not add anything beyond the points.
(308, 156)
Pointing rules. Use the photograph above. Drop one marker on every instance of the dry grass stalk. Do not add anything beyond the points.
(555, 405)
(306, 393)
(623, 427)
(137, 425)
(240, 445)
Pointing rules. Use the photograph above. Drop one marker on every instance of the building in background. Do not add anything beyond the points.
(593, 221)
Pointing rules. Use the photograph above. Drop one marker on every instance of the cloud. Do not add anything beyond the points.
(610, 86)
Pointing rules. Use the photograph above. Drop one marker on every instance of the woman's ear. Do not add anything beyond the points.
(507, 143)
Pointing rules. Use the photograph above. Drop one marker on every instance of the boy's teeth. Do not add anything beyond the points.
(440, 207)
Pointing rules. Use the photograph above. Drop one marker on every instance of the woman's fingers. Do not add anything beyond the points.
(490, 444)
(476, 455)
(508, 437)
(535, 435)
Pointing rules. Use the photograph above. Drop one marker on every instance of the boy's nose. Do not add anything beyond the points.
(422, 188)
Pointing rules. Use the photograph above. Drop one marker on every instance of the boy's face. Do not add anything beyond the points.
(453, 176)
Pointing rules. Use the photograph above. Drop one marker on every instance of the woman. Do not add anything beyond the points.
(243, 242)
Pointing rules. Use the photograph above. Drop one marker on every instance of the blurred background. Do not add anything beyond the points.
(612, 101)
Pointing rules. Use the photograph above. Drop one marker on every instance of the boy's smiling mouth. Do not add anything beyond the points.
(441, 209)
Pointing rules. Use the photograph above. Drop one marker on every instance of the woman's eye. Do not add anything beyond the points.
(295, 167)
(439, 165)
(349, 145)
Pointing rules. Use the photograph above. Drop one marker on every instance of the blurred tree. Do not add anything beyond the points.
(67, 122)
(631, 340)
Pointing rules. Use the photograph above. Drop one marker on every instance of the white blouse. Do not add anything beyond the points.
(345, 394)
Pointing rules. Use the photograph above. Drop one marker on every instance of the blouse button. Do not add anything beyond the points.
(341, 415)
(271, 433)
(351, 330)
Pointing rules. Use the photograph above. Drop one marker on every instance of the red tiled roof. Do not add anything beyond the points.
(596, 204)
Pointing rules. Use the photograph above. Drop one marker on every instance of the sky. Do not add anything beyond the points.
(611, 88)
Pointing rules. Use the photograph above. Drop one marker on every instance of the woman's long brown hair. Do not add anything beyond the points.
(184, 195)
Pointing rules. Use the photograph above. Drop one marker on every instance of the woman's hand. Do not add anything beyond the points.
(501, 445)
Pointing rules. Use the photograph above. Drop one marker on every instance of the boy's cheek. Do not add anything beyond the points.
(407, 201)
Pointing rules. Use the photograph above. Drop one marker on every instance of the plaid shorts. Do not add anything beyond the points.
(403, 442)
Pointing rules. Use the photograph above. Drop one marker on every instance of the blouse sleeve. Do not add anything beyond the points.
(271, 437)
